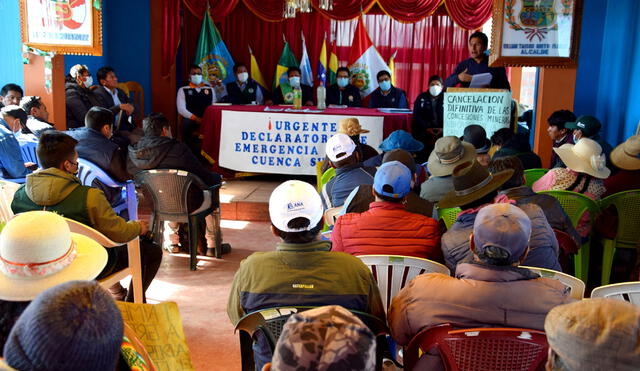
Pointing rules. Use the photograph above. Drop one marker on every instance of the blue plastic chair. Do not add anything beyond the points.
(88, 172)
(28, 150)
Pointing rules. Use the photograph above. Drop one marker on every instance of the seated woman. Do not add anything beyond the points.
(79, 96)
(584, 174)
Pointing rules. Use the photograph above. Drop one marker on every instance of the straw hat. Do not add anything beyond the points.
(471, 181)
(627, 155)
(584, 157)
(351, 127)
(448, 153)
(37, 251)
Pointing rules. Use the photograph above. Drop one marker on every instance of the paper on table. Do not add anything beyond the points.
(481, 80)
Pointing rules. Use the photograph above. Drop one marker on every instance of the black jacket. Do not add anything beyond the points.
(519, 146)
(106, 101)
(426, 114)
(79, 102)
(350, 96)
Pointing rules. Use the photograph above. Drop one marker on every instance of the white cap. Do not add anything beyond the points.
(337, 144)
(295, 199)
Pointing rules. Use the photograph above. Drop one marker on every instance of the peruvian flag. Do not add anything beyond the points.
(364, 61)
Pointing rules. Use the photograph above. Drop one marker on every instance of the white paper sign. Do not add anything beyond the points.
(491, 110)
(283, 143)
(60, 22)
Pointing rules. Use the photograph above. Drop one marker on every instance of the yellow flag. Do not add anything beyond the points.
(256, 75)
(392, 68)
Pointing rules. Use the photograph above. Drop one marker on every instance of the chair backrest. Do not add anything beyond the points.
(85, 230)
(449, 215)
(88, 172)
(7, 190)
(327, 176)
(627, 205)
(393, 272)
(566, 243)
(28, 151)
(627, 291)
(531, 175)
(574, 284)
(331, 214)
(319, 175)
(123, 86)
(575, 204)
(476, 349)
(168, 189)
(136, 92)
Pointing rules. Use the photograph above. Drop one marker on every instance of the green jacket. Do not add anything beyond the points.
(55, 190)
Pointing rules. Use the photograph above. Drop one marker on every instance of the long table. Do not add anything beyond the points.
(212, 123)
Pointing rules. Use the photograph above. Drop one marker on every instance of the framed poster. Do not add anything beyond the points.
(62, 26)
(544, 33)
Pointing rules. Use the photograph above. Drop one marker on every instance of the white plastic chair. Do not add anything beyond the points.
(627, 291)
(574, 284)
(133, 248)
(331, 214)
(401, 270)
(7, 190)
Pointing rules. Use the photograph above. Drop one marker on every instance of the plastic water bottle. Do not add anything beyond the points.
(322, 96)
(297, 98)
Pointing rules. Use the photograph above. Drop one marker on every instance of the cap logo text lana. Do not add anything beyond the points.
(295, 206)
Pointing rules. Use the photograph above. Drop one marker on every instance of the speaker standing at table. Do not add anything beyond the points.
(342, 93)
(477, 64)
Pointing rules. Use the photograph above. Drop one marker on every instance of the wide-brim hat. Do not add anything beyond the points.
(584, 157)
(448, 153)
(400, 139)
(476, 135)
(471, 181)
(626, 156)
(29, 238)
(351, 127)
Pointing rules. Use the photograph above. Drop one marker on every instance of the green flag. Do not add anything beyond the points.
(212, 54)
(287, 59)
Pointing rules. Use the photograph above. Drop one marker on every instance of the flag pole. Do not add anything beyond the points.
(250, 51)
(284, 38)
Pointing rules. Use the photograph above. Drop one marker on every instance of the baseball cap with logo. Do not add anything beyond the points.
(392, 179)
(295, 199)
(589, 125)
(339, 147)
(503, 226)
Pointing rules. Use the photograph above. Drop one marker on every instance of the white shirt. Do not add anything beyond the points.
(182, 104)
(114, 95)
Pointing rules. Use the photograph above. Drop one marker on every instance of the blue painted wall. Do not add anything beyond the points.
(609, 66)
(11, 57)
(126, 44)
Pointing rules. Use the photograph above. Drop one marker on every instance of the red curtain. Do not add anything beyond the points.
(409, 10)
(219, 9)
(345, 9)
(170, 34)
(469, 14)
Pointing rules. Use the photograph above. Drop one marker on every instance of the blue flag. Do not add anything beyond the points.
(212, 54)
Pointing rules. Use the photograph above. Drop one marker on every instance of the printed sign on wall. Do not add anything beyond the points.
(283, 143)
(491, 110)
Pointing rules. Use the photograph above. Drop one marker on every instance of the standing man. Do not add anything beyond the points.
(284, 94)
(245, 90)
(342, 93)
(477, 64)
(428, 116)
(10, 94)
(559, 134)
(387, 95)
(115, 99)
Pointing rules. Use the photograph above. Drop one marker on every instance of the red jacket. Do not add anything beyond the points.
(386, 228)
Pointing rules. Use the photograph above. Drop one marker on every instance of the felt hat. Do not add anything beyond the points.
(295, 199)
(503, 226)
(471, 181)
(400, 155)
(339, 147)
(589, 125)
(476, 135)
(448, 153)
(627, 155)
(351, 127)
(400, 139)
(584, 157)
(72, 326)
(38, 251)
(392, 179)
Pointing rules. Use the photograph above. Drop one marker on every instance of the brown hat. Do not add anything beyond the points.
(448, 153)
(400, 155)
(351, 127)
(471, 181)
(595, 334)
(627, 155)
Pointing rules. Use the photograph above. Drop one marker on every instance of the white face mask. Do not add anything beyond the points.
(294, 81)
(243, 76)
(88, 82)
(196, 79)
(575, 139)
(435, 90)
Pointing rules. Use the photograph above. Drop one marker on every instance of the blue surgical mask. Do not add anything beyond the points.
(385, 85)
(343, 81)
(88, 82)
(575, 139)
(294, 81)
(196, 79)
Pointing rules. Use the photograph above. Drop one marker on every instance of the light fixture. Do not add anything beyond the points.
(326, 4)
(293, 6)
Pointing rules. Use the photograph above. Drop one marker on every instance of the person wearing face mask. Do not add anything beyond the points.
(284, 93)
(342, 93)
(11, 163)
(589, 127)
(427, 117)
(387, 95)
(79, 98)
(245, 90)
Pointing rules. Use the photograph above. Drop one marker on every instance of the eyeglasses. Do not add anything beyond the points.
(73, 163)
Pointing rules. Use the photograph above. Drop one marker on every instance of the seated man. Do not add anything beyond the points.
(118, 102)
(342, 93)
(38, 114)
(387, 228)
(386, 95)
(11, 163)
(559, 134)
(476, 135)
(507, 143)
(447, 153)
(593, 334)
(474, 189)
(17, 118)
(351, 126)
(362, 196)
(245, 90)
(491, 290)
(350, 172)
(95, 145)
(56, 188)
(302, 271)
(515, 189)
(284, 93)
(158, 150)
(10, 94)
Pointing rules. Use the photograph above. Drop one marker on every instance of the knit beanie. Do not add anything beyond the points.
(72, 326)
